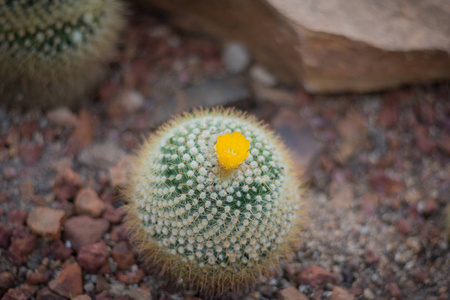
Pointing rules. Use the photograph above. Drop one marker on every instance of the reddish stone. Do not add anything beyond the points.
(59, 250)
(424, 142)
(29, 289)
(316, 276)
(120, 171)
(101, 284)
(113, 215)
(428, 207)
(10, 173)
(444, 143)
(46, 294)
(389, 113)
(84, 230)
(5, 234)
(291, 271)
(144, 293)
(69, 282)
(291, 293)
(16, 295)
(46, 222)
(108, 195)
(107, 90)
(30, 153)
(122, 256)
(420, 276)
(105, 295)
(27, 129)
(369, 204)
(356, 290)
(119, 233)
(340, 294)
(394, 290)
(87, 202)
(17, 217)
(6, 282)
(130, 277)
(425, 112)
(92, 257)
(66, 184)
(26, 189)
(403, 227)
(371, 257)
(83, 297)
(37, 278)
(66, 206)
(49, 135)
(382, 183)
(105, 269)
(83, 133)
(22, 245)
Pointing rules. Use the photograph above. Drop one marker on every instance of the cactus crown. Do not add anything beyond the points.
(202, 211)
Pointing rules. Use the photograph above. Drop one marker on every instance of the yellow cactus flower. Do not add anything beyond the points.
(232, 149)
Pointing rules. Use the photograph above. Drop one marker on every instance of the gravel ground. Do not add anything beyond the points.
(376, 168)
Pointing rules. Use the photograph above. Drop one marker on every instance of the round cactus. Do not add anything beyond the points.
(51, 51)
(214, 201)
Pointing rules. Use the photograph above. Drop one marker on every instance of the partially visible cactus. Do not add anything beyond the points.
(52, 51)
(214, 201)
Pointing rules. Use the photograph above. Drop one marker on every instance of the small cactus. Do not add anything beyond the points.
(52, 51)
(213, 201)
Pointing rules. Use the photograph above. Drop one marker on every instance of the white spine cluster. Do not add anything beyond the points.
(195, 211)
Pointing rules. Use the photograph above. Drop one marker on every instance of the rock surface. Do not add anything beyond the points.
(122, 255)
(119, 172)
(69, 282)
(84, 230)
(330, 46)
(6, 281)
(93, 256)
(22, 245)
(291, 293)
(340, 294)
(46, 222)
(315, 276)
(66, 184)
(88, 202)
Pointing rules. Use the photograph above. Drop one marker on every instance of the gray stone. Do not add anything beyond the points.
(235, 57)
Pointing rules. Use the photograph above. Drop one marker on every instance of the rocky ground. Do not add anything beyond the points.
(376, 168)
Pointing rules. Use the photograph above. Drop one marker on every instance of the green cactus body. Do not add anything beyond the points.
(216, 229)
(51, 51)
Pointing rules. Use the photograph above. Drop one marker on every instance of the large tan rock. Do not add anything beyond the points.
(46, 222)
(330, 45)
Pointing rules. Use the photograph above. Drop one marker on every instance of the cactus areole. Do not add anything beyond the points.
(213, 201)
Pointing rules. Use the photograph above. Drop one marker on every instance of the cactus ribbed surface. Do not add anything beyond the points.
(214, 201)
(51, 51)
